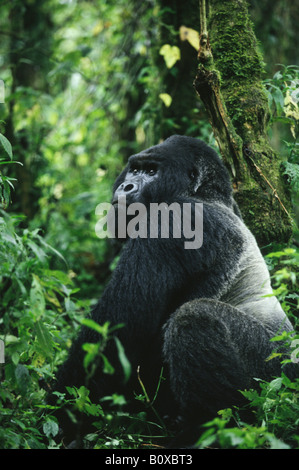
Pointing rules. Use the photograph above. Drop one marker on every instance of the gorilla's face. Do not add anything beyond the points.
(140, 173)
(179, 167)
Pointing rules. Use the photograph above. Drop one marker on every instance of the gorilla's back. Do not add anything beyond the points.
(251, 289)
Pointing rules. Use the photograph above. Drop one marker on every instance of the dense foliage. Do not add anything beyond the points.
(91, 89)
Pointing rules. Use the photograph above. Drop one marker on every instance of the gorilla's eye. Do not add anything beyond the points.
(192, 175)
(152, 172)
(134, 171)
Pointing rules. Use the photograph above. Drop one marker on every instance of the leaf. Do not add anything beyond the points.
(107, 367)
(22, 377)
(123, 359)
(6, 145)
(93, 409)
(49, 247)
(190, 35)
(72, 391)
(5, 196)
(278, 98)
(44, 338)
(39, 253)
(83, 392)
(277, 443)
(92, 351)
(50, 428)
(166, 98)
(37, 299)
(101, 329)
(15, 357)
(275, 384)
(171, 54)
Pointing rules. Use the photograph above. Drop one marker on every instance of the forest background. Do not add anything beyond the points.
(85, 84)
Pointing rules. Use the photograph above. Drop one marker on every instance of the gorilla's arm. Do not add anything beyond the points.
(152, 279)
(138, 295)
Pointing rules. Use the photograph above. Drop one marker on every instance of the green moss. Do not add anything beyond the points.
(248, 110)
(259, 188)
(234, 44)
(267, 221)
(236, 56)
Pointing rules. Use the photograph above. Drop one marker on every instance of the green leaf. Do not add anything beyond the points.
(93, 409)
(275, 384)
(6, 145)
(37, 299)
(44, 338)
(49, 247)
(39, 253)
(92, 350)
(123, 359)
(279, 99)
(22, 377)
(15, 357)
(107, 368)
(277, 443)
(50, 428)
(72, 391)
(101, 329)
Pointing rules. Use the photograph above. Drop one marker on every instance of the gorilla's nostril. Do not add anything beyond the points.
(129, 187)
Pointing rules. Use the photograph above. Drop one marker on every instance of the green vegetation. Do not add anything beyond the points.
(85, 87)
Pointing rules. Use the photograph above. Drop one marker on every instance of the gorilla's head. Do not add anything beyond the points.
(179, 167)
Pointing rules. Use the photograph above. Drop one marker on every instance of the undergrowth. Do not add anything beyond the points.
(40, 314)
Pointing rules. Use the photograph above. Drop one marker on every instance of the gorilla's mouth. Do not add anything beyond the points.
(122, 202)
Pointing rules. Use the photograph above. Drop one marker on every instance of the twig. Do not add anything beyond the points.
(203, 17)
(148, 401)
(270, 185)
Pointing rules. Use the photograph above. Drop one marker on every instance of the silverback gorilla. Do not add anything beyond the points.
(206, 315)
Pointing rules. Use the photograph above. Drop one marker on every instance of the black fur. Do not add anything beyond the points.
(200, 313)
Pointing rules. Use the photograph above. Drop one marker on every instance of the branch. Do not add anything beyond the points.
(267, 181)
(147, 399)
(207, 86)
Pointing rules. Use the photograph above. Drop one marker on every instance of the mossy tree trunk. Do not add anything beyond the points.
(229, 81)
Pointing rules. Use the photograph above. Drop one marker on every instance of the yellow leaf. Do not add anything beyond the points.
(171, 54)
(166, 98)
(291, 106)
(190, 35)
(140, 134)
(291, 110)
(98, 28)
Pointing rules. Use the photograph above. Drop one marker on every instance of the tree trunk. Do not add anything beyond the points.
(229, 82)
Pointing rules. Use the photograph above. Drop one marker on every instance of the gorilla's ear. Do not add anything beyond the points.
(197, 182)
(195, 177)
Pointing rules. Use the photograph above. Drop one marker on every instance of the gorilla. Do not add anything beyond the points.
(205, 314)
